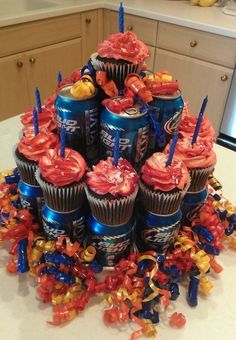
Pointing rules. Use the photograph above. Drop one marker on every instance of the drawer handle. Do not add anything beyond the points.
(88, 21)
(32, 60)
(224, 77)
(193, 43)
(129, 28)
(19, 64)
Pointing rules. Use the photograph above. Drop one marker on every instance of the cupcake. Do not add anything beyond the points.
(162, 187)
(120, 55)
(188, 123)
(29, 150)
(199, 158)
(46, 120)
(111, 191)
(62, 179)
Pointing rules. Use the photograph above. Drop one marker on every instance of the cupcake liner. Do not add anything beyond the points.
(111, 211)
(26, 168)
(62, 199)
(117, 72)
(199, 178)
(159, 202)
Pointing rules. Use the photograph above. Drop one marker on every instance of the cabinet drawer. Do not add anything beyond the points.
(198, 44)
(145, 29)
(23, 37)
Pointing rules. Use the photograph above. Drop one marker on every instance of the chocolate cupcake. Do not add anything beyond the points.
(199, 158)
(111, 191)
(120, 55)
(162, 187)
(29, 150)
(62, 179)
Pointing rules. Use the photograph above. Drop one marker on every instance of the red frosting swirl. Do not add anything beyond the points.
(188, 123)
(198, 155)
(46, 119)
(62, 171)
(109, 179)
(33, 147)
(123, 46)
(156, 174)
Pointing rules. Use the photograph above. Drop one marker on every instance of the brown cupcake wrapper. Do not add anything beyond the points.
(161, 203)
(113, 211)
(199, 178)
(26, 169)
(117, 72)
(63, 199)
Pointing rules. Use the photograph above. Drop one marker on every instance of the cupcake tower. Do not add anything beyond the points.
(126, 189)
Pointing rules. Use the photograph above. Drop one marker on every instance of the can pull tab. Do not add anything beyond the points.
(132, 111)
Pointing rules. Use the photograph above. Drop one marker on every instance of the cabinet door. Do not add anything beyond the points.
(198, 79)
(44, 63)
(92, 33)
(13, 86)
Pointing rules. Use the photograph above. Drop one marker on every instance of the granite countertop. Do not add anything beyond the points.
(210, 19)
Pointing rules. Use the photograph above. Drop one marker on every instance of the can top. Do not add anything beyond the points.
(64, 92)
(172, 96)
(130, 113)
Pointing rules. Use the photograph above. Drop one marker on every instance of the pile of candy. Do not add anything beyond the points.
(140, 286)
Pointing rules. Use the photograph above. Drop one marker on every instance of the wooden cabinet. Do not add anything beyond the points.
(13, 84)
(31, 54)
(43, 64)
(198, 79)
(145, 29)
(203, 64)
(92, 32)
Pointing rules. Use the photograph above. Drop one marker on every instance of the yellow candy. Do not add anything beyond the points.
(166, 77)
(88, 254)
(205, 285)
(82, 89)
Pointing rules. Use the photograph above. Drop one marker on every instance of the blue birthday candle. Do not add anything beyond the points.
(172, 149)
(199, 120)
(35, 121)
(116, 149)
(62, 142)
(121, 18)
(59, 77)
(38, 100)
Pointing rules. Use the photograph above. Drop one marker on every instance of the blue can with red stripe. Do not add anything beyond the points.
(57, 224)
(169, 109)
(132, 126)
(79, 118)
(111, 242)
(31, 197)
(156, 232)
(193, 202)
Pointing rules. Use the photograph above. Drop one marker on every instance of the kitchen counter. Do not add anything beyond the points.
(23, 317)
(210, 19)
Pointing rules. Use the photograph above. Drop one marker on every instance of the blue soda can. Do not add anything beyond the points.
(79, 118)
(156, 232)
(111, 242)
(133, 128)
(170, 109)
(31, 197)
(56, 224)
(192, 204)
